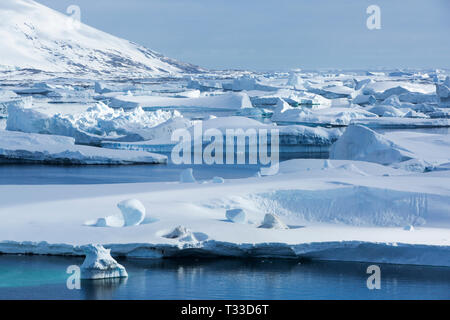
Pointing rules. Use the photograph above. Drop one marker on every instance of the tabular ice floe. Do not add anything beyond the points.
(40, 148)
(99, 264)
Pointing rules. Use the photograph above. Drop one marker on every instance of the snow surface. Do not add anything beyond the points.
(340, 214)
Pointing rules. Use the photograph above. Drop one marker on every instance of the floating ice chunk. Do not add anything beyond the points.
(133, 212)
(409, 228)
(414, 114)
(386, 111)
(99, 264)
(37, 88)
(271, 221)
(236, 215)
(218, 180)
(364, 99)
(361, 143)
(187, 176)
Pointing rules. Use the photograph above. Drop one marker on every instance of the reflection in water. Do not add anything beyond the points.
(28, 277)
(101, 289)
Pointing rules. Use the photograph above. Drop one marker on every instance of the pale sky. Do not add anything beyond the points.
(278, 34)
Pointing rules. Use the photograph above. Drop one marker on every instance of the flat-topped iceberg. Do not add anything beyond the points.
(30, 147)
(227, 101)
(331, 116)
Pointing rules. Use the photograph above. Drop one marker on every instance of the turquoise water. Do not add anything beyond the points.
(43, 277)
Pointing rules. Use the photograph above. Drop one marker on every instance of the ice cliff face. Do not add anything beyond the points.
(36, 38)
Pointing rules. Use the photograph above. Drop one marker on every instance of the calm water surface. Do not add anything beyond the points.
(38, 277)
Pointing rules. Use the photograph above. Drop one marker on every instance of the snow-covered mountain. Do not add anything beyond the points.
(36, 37)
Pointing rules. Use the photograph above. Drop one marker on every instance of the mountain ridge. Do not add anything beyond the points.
(39, 39)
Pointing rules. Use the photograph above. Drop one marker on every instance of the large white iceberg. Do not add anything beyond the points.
(91, 126)
(30, 147)
(227, 101)
(361, 143)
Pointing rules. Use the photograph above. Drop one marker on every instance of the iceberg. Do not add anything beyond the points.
(443, 92)
(99, 264)
(39, 148)
(91, 126)
(227, 101)
(384, 89)
(364, 144)
(334, 116)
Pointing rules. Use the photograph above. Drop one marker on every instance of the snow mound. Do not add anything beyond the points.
(187, 176)
(30, 147)
(181, 233)
(271, 221)
(361, 143)
(236, 215)
(350, 167)
(133, 212)
(100, 265)
(327, 165)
